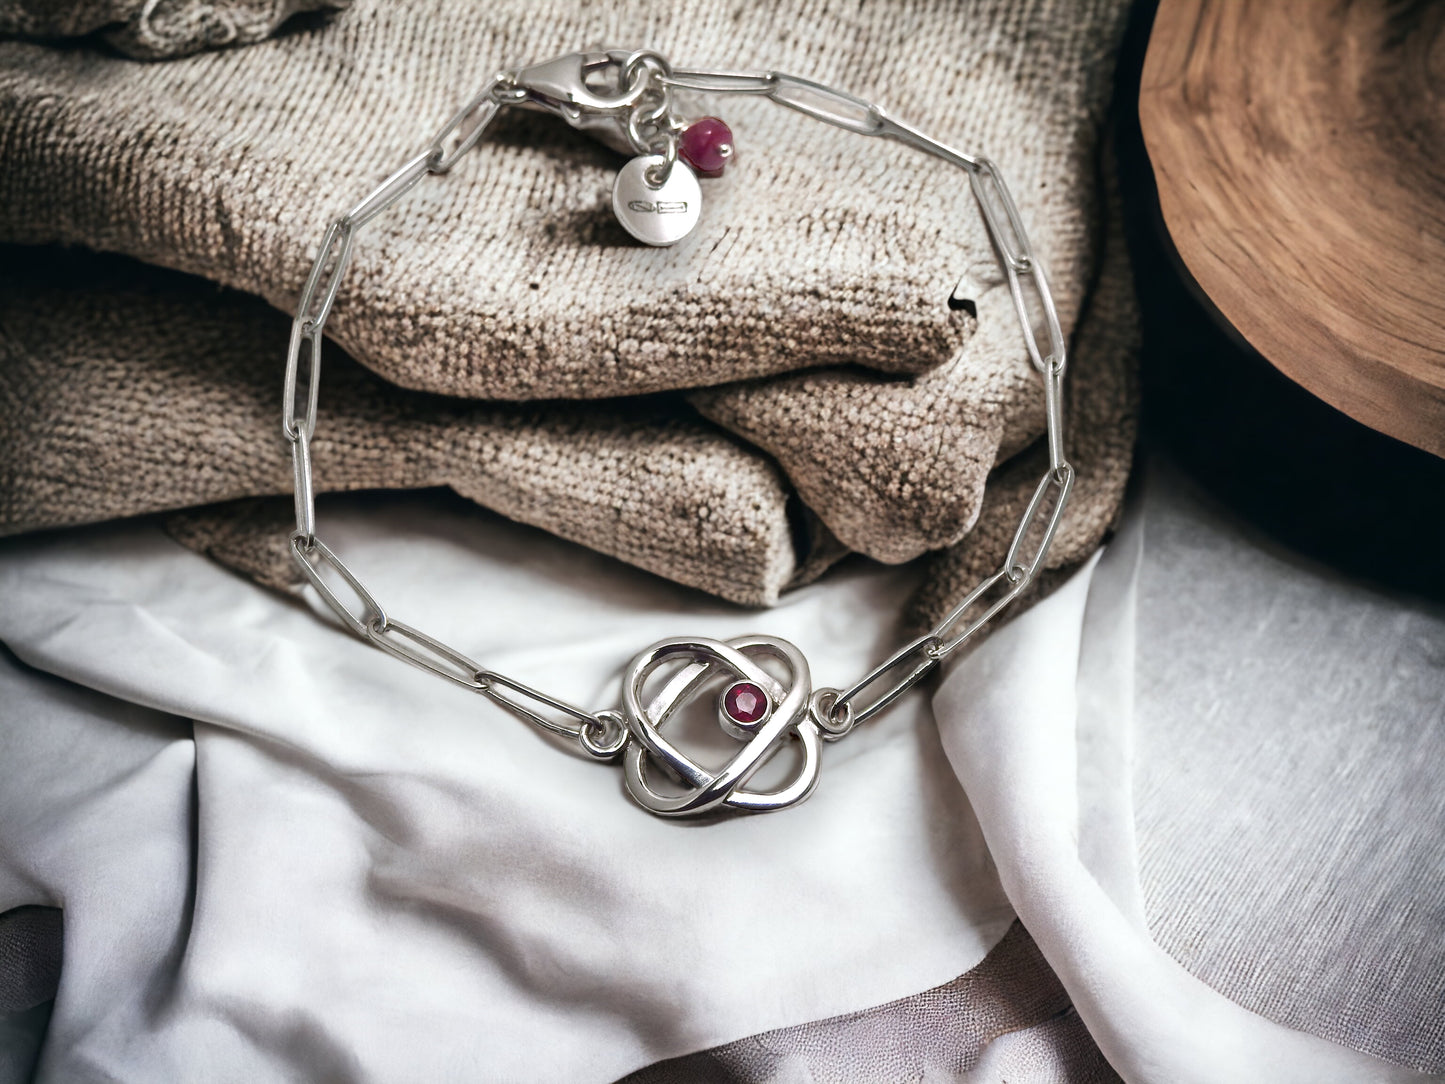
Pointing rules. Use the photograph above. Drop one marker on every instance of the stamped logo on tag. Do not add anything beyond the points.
(661, 215)
(661, 207)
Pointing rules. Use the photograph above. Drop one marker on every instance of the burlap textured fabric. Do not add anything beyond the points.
(128, 389)
(156, 28)
(508, 279)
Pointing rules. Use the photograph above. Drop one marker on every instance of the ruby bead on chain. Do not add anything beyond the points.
(707, 146)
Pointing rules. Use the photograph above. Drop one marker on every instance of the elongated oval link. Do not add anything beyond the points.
(310, 319)
(305, 498)
(895, 129)
(304, 339)
(916, 659)
(826, 104)
(720, 81)
(1056, 360)
(520, 693)
(1060, 481)
(370, 609)
(390, 190)
(950, 641)
(468, 124)
(416, 647)
(330, 266)
(1032, 284)
(1054, 415)
(1007, 231)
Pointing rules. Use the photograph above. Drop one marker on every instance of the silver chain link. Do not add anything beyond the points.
(653, 129)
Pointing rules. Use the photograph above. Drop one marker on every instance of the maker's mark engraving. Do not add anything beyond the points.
(754, 706)
(656, 215)
(661, 207)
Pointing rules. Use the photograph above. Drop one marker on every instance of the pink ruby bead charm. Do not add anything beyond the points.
(745, 703)
(706, 145)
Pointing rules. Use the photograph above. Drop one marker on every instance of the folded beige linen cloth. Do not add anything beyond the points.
(156, 28)
(508, 278)
(131, 389)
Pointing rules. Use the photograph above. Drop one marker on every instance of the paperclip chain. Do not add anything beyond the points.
(604, 734)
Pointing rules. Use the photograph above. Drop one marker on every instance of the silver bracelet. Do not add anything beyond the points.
(625, 99)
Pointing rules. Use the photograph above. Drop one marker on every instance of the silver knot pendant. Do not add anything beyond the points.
(754, 706)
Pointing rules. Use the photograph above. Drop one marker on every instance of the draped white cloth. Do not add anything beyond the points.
(281, 853)
(355, 864)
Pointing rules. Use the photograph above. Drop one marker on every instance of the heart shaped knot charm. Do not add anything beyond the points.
(754, 706)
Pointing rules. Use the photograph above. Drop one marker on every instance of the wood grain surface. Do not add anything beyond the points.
(1299, 151)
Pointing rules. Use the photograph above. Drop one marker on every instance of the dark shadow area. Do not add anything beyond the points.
(30, 954)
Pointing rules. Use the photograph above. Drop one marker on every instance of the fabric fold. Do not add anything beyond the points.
(129, 390)
(1037, 724)
(811, 305)
(155, 29)
(396, 878)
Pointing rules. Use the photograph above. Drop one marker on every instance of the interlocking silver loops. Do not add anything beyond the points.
(625, 99)
(705, 660)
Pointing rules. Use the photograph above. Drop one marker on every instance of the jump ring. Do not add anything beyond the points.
(823, 707)
(656, 176)
(602, 747)
(644, 58)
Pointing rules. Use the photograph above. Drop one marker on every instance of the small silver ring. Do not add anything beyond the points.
(600, 747)
(823, 707)
(656, 176)
(643, 58)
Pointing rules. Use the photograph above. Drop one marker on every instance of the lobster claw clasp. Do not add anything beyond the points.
(579, 85)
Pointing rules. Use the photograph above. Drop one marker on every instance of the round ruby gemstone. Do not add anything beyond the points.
(706, 146)
(745, 702)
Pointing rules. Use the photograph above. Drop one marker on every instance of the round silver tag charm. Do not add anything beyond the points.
(656, 216)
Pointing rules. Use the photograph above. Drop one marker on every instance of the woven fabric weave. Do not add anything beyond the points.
(151, 29)
(129, 389)
(807, 313)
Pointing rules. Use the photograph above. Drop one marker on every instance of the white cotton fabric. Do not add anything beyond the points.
(1038, 724)
(395, 879)
(345, 868)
